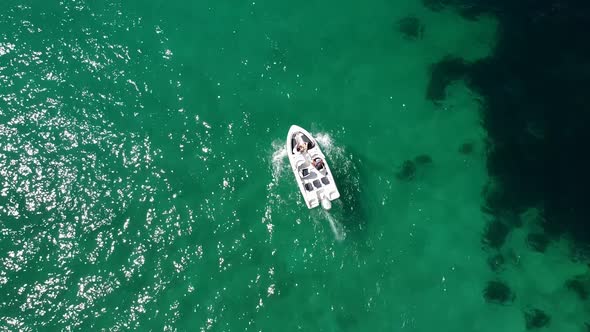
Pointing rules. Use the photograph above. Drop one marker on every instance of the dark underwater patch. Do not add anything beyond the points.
(579, 285)
(353, 213)
(467, 148)
(536, 319)
(535, 98)
(346, 321)
(537, 241)
(442, 74)
(498, 292)
(407, 171)
(495, 234)
(423, 159)
(410, 27)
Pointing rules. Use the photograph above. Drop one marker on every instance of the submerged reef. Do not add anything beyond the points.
(410, 27)
(467, 148)
(536, 319)
(423, 159)
(580, 285)
(537, 241)
(495, 234)
(409, 168)
(407, 171)
(534, 99)
(442, 74)
(498, 292)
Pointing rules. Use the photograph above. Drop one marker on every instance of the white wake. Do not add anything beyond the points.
(335, 226)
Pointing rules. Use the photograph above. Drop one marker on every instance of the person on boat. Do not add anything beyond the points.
(302, 147)
(318, 163)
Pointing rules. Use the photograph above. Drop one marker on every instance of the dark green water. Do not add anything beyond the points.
(144, 184)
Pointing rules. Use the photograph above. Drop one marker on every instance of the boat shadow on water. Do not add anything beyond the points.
(350, 209)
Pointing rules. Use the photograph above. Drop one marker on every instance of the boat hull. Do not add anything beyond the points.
(316, 184)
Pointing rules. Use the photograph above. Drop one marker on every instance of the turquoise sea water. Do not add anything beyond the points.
(144, 185)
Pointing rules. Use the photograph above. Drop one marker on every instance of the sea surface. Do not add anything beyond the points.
(144, 183)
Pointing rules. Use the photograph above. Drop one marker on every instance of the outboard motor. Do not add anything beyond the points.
(326, 204)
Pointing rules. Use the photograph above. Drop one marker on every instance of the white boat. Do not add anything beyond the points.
(312, 173)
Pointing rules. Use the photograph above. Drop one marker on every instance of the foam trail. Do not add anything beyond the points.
(278, 159)
(336, 227)
(279, 154)
(335, 154)
(325, 141)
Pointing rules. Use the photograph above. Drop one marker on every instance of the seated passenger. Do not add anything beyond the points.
(318, 163)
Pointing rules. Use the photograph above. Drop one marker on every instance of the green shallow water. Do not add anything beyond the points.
(145, 186)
